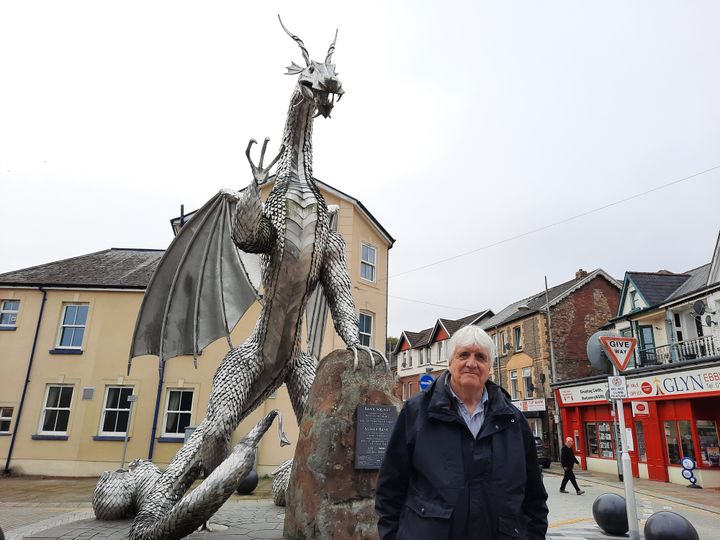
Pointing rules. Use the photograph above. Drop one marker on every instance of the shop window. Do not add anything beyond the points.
(591, 437)
(600, 439)
(671, 442)
(686, 439)
(605, 440)
(640, 434)
(709, 445)
(679, 441)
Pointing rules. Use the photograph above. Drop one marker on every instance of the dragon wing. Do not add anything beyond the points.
(200, 289)
(317, 306)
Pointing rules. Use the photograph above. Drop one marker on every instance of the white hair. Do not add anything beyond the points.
(470, 335)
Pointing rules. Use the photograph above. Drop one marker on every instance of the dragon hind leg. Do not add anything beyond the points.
(208, 446)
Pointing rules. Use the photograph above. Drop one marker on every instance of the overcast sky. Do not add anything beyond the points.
(464, 124)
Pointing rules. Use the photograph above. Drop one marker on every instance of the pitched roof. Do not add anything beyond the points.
(656, 287)
(111, 268)
(698, 280)
(453, 326)
(535, 303)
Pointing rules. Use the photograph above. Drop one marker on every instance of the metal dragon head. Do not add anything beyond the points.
(318, 81)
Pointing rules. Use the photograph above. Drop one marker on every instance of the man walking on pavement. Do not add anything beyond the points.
(568, 460)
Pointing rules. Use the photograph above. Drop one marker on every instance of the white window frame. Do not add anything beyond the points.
(5, 418)
(527, 382)
(514, 391)
(118, 409)
(75, 326)
(366, 263)
(443, 351)
(404, 394)
(5, 310)
(361, 333)
(45, 409)
(517, 338)
(168, 393)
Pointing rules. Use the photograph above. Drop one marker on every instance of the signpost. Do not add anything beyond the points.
(425, 381)
(619, 350)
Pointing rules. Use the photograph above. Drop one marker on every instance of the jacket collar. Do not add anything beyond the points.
(441, 403)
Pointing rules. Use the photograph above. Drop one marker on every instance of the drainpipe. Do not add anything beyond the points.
(27, 382)
(161, 377)
(558, 417)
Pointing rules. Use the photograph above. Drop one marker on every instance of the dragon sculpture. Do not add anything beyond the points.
(204, 284)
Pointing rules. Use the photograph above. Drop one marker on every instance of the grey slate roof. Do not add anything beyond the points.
(111, 268)
(453, 325)
(698, 280)
(536, 302)
(656, 287)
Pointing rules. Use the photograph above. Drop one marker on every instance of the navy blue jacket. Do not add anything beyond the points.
(437, 481)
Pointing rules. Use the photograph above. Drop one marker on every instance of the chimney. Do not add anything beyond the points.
(580, 274)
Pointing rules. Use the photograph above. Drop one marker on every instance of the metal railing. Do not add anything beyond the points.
(677, 352)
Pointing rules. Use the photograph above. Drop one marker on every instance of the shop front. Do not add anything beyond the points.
(672, 412)
(535, 412)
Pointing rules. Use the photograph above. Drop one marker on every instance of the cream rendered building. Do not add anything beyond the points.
(65, 331)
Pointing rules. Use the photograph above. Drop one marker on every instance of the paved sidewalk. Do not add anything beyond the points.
(61, 508)
(707, 499)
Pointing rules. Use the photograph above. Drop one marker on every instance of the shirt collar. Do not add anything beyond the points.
(483, 399)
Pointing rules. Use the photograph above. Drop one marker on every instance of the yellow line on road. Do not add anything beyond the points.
(567, 522)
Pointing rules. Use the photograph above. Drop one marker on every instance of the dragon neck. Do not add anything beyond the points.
(296, 161)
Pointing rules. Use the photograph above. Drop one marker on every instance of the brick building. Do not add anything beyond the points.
(521, 335)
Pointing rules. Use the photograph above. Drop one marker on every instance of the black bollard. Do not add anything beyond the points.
(669, 526)
(248, 484)
(610, 513)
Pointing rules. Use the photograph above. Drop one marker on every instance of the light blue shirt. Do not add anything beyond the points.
(474, 422)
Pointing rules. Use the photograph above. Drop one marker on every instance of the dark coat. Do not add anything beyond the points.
(567, 457)
(437, 481)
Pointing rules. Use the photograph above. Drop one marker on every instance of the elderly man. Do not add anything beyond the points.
(461, 462)
(568, 460)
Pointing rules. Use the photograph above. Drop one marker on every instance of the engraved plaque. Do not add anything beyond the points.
(372, 432)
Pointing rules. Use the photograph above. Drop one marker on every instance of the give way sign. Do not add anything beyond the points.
(619, 349)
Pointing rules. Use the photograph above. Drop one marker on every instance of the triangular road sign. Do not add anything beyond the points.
(619, 349)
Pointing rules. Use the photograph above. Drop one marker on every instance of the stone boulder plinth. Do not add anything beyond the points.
(328, 498)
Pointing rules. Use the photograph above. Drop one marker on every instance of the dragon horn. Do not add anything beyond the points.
(299, 41)
(331, 50)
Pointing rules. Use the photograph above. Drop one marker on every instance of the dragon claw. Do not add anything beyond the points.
(370, 351)
(261, 174)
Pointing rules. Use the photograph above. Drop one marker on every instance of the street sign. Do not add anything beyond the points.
(617, 387)
(132, 398)
(619, 349)
(425, 381)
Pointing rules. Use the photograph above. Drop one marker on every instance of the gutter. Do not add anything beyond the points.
(27, 382)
